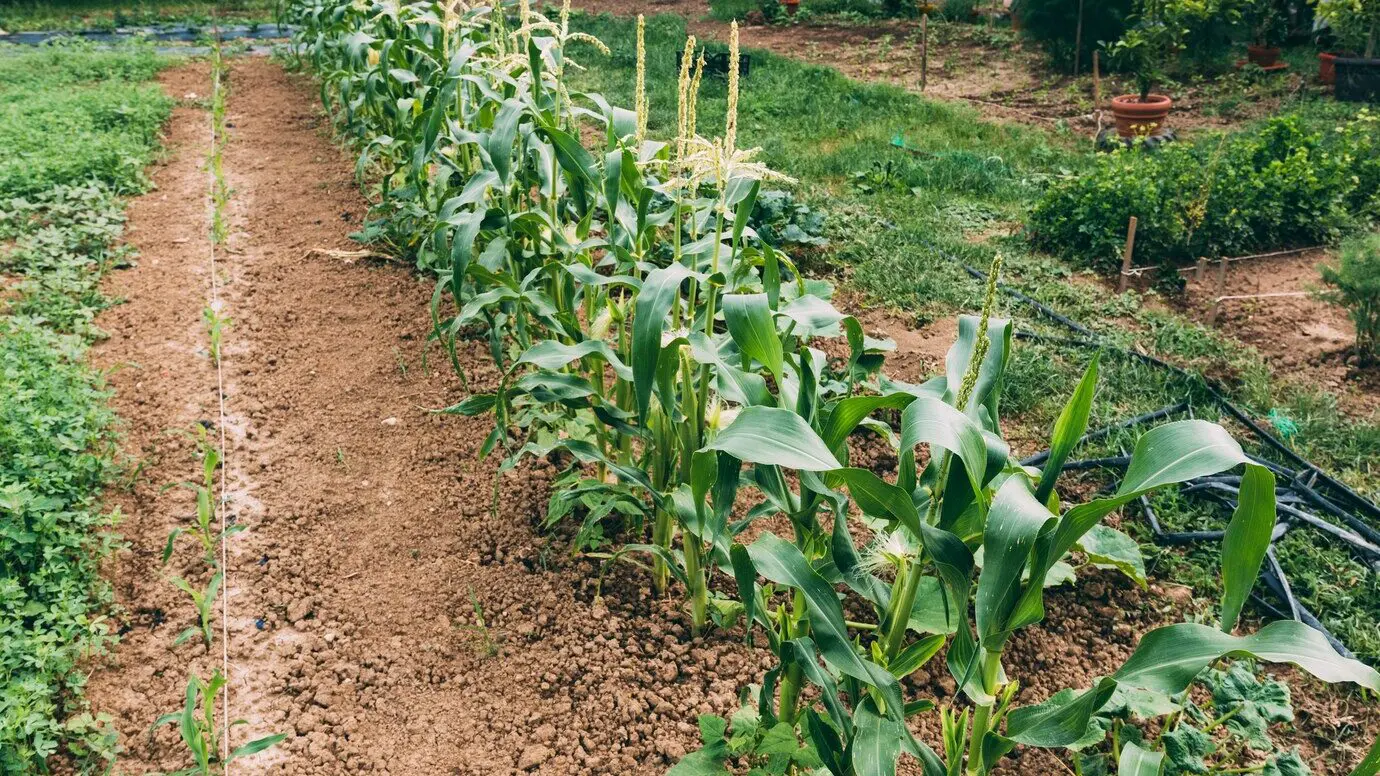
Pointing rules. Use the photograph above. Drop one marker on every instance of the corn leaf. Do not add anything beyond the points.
(1246, 541)
(751, 326)
(1168, 658)
(776, 437)
(1136, 761)
(1068, 429)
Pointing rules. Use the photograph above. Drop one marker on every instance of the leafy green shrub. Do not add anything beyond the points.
(1283, 185)
(1355, 284)
(1054, 23)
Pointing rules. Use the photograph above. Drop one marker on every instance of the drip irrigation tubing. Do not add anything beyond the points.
(1295, 487)
(182, 34)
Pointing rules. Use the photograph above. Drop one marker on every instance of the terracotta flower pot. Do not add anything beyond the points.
(1137, 119)
(1327, 67)
(791, 6)
(1263, 56)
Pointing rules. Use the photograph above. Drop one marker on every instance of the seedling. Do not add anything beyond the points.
(202, 735)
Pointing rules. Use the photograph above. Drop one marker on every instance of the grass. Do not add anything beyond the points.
(76, 128)
(889, 209)
(25, 15)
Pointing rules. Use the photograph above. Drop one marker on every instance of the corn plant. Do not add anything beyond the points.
(215, 330)
(202, 734)
(672, 361)
(204, 529)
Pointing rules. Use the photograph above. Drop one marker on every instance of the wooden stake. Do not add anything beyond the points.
(924, 50)
(1097, 83)
(1221, 291)
(1200, 270)
(1078, 39)
(1126, 257)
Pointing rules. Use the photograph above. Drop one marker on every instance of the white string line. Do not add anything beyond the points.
(216, 97)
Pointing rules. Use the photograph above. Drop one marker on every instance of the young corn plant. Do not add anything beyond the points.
(201, 732)
(203, 530)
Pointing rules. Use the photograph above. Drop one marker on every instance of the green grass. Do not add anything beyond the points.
(77, 127)
(889, 209)
(25, 15)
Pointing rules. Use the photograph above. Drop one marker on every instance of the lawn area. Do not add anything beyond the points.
(26, 15)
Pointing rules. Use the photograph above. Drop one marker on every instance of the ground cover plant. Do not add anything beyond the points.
(675, 365)
(60, 213)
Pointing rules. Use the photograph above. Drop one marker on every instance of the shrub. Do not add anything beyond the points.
(1283, 185)
(1355, 284)
(1054, 23)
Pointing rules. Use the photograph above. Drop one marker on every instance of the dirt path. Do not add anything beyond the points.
(353, 593)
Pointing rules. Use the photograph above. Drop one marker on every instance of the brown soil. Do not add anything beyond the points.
(375, 538)
(1301, 337)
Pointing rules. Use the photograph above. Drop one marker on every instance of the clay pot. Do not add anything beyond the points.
(1135, 118)
(791, 6)
(1327, 67)
(1263, 56)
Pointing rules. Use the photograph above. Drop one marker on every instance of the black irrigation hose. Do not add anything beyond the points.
(183, 34)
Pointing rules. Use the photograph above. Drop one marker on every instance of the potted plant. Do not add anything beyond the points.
(1355, 25)
(1266, 20)
(1142, 51)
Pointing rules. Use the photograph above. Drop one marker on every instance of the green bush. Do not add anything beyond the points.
(1054, 23)
(1355, 284)
(1284, 185)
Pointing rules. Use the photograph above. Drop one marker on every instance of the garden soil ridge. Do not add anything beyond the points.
(374, 533)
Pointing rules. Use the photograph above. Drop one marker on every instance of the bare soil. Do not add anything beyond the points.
(392, 606)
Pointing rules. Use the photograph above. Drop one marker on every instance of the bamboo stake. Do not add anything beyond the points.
(1126, 257)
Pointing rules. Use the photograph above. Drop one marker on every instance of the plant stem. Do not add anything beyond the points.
(991, 667)
(699, 592)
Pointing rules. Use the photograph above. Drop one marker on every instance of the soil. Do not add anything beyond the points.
(392, 606)
(1301, 337)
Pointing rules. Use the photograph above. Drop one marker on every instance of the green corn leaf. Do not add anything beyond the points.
(879, 740)
(848, 413)
(1246, 541)
(987, 390)
(732, 383)
(552, 354)
(1165, 455)
(776, 437)
(913, 657)
(752, 327)
(1167, 659)
(802, 652)
(1136, 761)
(1068, 429)
(780, 562)
(659, 291)
(1015, 523)
(1062, 720)
(937, 424)
(256, 746)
